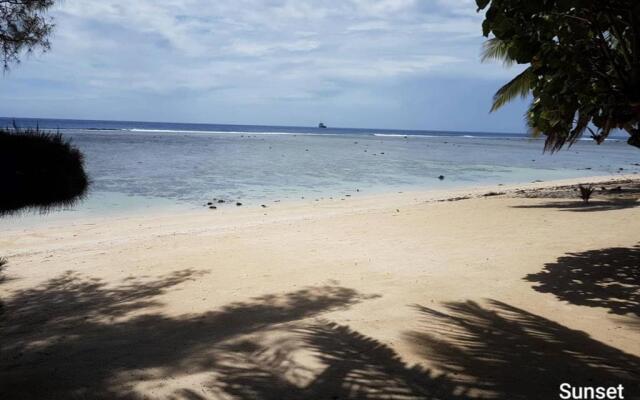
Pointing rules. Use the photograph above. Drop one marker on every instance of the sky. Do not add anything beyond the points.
(404, 64)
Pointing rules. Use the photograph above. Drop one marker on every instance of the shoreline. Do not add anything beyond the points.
(351, 201)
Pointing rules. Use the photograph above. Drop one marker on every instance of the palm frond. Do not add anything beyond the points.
(532, 130)
(557, 139)
(518, 86)
(581, 125)
(495, 49)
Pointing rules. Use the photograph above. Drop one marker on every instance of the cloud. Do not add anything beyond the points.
(250, 48)
(253, 51)
(241, 40)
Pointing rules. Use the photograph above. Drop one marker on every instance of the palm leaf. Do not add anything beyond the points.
(557, 139)
(495, 49)
(518, 86)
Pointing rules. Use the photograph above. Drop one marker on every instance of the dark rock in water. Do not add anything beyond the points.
(441, 177)
(238, 204)
(263, 206)
(220, 201)
(209, 203)
(620, 169)
(382, 153)
(213, 207)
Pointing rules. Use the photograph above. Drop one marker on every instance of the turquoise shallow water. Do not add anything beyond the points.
(136, 167)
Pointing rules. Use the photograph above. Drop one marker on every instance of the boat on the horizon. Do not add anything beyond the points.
(322, 125)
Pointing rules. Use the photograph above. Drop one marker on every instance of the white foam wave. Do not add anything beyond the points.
(228, 132)
(403, 136)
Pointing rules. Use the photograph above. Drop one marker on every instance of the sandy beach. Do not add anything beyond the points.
(427, 295)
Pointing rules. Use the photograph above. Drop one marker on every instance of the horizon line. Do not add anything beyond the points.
(261, 125)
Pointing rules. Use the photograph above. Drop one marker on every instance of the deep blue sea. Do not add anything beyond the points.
(144, 165)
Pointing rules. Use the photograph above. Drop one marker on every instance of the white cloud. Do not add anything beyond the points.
(249, 48)
(254, 50)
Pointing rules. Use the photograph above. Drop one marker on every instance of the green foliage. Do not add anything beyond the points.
(39, 170)
(517, 87)
(495, 49)
(584, 64)
(23, 27)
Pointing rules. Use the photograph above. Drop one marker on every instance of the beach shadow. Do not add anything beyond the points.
(608, 278)
(79, 338)
(74, 337)
(579, 206)
(503, 352)
(351, 366)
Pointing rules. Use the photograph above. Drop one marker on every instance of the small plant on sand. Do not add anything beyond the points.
(586, 192)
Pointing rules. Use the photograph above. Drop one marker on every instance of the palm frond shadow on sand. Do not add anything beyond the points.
(350, 366)
(504, 352)
(592, 206)
(74, 337)
(608, 278)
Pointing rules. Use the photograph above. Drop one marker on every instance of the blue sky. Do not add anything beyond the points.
(410, 64)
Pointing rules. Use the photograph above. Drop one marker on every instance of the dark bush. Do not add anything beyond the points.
(39, 170)
(586, 192)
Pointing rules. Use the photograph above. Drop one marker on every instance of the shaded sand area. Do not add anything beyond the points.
(404, 296)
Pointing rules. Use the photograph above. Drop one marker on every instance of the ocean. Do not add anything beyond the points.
(148, 165)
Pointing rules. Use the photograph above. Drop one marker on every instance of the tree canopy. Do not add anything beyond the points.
(583, 60)
(24, 26)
